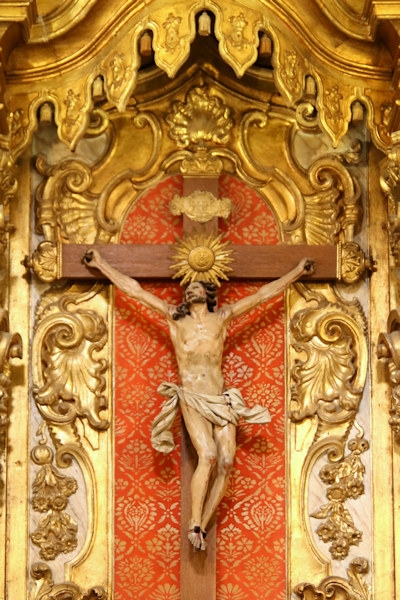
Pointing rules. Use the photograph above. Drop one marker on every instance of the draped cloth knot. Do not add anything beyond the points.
(219, 410)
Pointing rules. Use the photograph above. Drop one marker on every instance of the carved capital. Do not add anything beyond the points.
(45, 262)
(352, 262)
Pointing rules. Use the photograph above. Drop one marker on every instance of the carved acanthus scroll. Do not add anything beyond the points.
(46, 589)
(69, 369)
(338, 588)
(328, 385)
(329, 380)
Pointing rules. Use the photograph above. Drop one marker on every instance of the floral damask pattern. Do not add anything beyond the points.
(251, 518)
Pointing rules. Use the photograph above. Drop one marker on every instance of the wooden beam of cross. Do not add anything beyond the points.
(153, 262)
(144, 261)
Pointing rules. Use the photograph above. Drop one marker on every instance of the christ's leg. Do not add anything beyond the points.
(225, 438)
(200, 431)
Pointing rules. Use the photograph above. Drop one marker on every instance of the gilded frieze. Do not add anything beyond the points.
(237, 32)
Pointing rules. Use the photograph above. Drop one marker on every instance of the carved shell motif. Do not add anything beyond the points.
(202, 120)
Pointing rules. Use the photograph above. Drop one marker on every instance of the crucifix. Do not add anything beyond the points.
(198, 569)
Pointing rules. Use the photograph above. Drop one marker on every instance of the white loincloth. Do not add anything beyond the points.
(219, 410)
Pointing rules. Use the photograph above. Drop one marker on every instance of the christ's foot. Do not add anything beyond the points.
(196, 538)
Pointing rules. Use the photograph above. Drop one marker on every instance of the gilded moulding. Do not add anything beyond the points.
(388, 349)
(70, 367)
(10, 347)
(329, 358)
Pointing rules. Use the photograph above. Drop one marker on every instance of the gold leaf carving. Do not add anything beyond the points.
(68, 373)
(389, 349)
(290, 72)
(352, 262)
(338, 588)
(330, 379)
(46, 589)
(201, 206)
(202, 258)
(172, 36)
(10, 347)
(64, 201)
(202, 120)
(56, 532)
(237, 36)
(44, 262)
(345, 481)
(334, 211)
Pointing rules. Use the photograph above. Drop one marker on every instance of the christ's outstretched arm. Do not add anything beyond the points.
(269, 290)
(126, 284)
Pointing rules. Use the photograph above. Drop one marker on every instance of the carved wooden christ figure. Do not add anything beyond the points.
(210, 411)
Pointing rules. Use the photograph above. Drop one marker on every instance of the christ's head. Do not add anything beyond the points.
(197, 292)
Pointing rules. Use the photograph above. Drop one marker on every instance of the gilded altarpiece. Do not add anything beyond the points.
(288, 113)
(99, 495)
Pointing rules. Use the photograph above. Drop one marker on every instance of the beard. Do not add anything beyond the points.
(197, 300)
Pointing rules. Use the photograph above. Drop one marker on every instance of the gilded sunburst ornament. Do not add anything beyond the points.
(202, 258)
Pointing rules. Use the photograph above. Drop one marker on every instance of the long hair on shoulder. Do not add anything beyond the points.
(211, 298)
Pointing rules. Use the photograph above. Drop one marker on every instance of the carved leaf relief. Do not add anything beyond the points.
(328, 381)
(70, 379)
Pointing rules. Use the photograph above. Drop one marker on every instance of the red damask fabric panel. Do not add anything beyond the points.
(251, 518)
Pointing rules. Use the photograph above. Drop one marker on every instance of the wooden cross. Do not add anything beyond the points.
(198, 569)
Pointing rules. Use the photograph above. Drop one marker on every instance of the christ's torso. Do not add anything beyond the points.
(199, 345)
